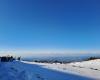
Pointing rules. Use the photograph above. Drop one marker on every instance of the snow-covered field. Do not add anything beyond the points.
(87, 70)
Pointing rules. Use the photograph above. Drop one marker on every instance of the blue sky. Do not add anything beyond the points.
(50, 24)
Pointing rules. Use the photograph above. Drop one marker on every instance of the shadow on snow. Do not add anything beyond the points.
(49, 74)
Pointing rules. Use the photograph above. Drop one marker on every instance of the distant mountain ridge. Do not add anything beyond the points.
(65, 58)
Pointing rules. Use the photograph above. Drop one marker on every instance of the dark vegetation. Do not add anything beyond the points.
(8, 58)
(92, 58)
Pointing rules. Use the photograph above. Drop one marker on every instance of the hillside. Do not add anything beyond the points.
(89, 68)
(32, 71)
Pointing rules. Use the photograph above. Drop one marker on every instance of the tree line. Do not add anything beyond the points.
(9, 58)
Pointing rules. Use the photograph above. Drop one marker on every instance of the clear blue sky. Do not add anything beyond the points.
(50, 24)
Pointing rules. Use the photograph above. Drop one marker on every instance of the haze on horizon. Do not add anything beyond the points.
(49, 26)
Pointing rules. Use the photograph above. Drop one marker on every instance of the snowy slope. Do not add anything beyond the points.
(86, 68)
(32, 71)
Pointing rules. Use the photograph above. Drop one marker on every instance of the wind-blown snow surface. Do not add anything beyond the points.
(86, 68)
(32, 71)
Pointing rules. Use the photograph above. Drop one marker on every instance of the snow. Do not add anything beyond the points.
(86, 68)
(36, 71)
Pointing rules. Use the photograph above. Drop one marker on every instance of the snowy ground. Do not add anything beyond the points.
(86, 68)
(34, 71)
